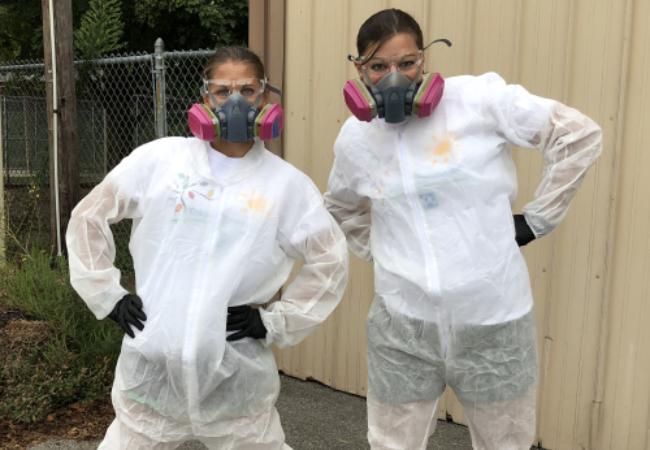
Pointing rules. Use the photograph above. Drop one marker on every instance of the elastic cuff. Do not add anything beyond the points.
(268, 340)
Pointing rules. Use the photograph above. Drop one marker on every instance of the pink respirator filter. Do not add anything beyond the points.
(428, 95)
(364, 108)
(203, 123)
(269, 122)
(359, 100)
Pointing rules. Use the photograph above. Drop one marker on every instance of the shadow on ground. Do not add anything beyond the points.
(315, 417)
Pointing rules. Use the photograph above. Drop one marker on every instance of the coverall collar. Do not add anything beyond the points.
(245, 167)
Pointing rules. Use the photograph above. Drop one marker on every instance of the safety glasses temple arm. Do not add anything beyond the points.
(353, 58)
(446, 41)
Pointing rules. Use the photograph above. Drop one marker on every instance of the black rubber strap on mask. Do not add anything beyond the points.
(270, 88)
(274, 90)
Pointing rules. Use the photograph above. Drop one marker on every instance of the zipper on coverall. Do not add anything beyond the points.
(430, 262)
(190, 326)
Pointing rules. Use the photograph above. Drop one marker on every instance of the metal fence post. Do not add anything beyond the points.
(5, 158)
(121, 80)
(159, 99)
(2, 188)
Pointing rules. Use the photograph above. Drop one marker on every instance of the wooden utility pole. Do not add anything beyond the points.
(266, 38)
(65, 108)
(2, 196)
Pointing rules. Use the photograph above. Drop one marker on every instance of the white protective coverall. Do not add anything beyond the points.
(429, 201)
(200, 246)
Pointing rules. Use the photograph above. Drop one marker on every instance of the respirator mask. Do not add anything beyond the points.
(235, 117)
(395, 96)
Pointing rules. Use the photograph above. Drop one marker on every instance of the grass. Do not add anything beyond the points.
(73, 364)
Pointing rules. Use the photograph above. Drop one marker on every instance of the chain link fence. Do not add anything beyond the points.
(122, 103)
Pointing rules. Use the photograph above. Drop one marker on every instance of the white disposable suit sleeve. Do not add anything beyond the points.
(570, 143)
(308, 232)
(91, 248)
(351, 211)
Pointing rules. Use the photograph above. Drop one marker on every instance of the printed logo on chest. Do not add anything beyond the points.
(442, 148)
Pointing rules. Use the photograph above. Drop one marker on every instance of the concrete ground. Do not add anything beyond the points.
(315, 417)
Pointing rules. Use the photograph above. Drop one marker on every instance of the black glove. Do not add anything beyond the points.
(247, 321)
(127, 312)
(523, 233)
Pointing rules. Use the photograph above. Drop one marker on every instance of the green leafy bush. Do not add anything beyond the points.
(64, 355)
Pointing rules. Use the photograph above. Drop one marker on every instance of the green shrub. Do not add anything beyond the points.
(32, 389)
(74, 364)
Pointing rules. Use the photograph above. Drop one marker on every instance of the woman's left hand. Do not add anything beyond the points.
(247, 321)
(523, 233)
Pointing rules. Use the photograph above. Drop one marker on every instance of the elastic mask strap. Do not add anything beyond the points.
(217, 107)
(271, 88)
(369, 83)
(204, 90)
(373, 88)
(415, 80)
(259, 97)
(257, 101)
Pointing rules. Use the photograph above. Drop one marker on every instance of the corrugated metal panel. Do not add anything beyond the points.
(625, 420)
(590, 277)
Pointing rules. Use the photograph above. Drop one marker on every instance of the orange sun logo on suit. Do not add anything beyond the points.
(254, 201)
(443, 147)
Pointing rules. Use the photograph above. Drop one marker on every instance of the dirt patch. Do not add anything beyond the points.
(20, 337)
(74, 422)
(20, 333)
(8, 314)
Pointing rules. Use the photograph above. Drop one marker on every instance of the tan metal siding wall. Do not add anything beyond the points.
(590, 277)
(625, 421)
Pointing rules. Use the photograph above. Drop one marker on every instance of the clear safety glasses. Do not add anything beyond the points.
(250, 88)
(406, 64)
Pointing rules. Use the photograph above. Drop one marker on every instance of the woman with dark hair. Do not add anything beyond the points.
(423, 184)
(217, 225)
